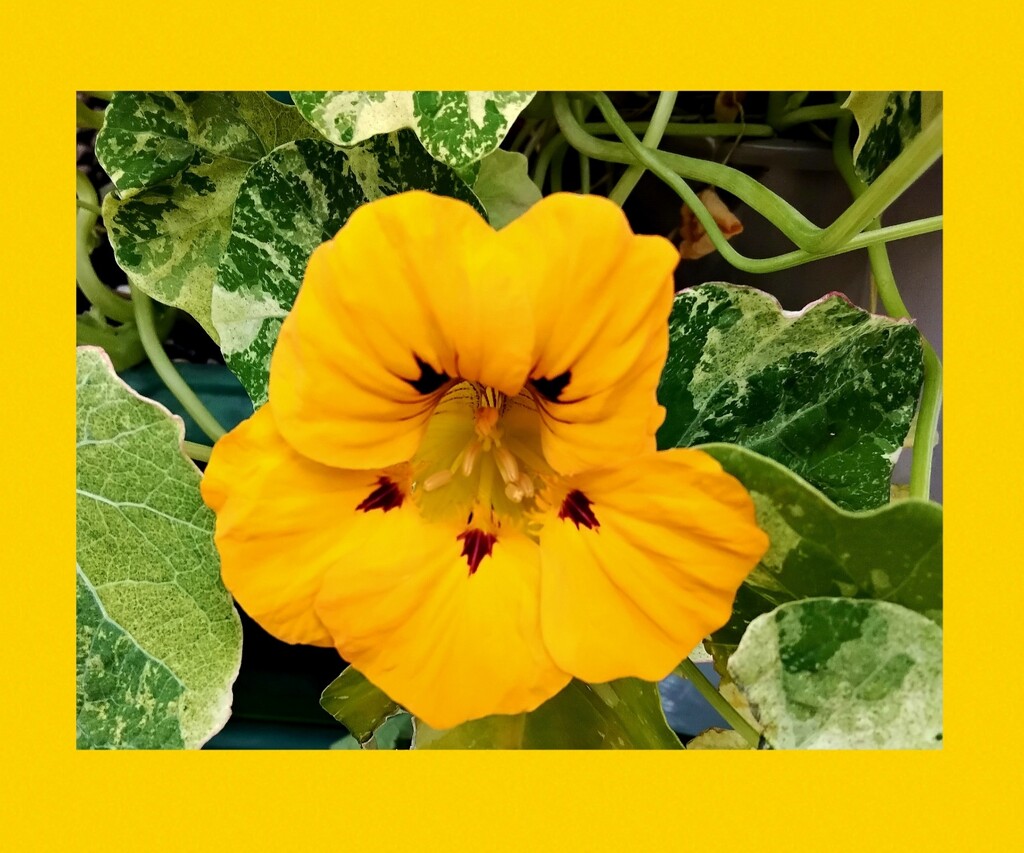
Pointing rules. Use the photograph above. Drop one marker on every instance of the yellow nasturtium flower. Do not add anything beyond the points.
(455, 480)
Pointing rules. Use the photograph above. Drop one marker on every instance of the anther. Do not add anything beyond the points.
(525, 484)
(514, 493)
(436, 480)
(507, 464)
(469, 460)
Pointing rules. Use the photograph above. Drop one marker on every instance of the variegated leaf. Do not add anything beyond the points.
(831, 673)
(622, 714)
(887, 122)
(817, 549)
(828, 391)
(177, 161)
(159, 642)
(290, 202)
(457, 128)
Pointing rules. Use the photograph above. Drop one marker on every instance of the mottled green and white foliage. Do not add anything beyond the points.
(828, 391)
(177, 161)
(504, 187)
(719, 739)
(159, 641)
(623, 714)
(457, 128)
(887, 121)
(357, 704)
(290, 202)
(817, 549)
(831, 673)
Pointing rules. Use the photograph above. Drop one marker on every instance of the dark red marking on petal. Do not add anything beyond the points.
(475, 546)
(387, 496)
(577, 508)
(430, 380)
(551, 389)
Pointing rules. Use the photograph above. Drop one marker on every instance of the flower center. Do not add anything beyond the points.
(481, 455)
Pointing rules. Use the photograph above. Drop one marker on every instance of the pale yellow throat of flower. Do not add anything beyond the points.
(481, 457)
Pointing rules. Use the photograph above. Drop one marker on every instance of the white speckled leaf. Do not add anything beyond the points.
(159, 642)
(831, 673)
(828, 391)
(623, 714)
(887, 122)
(290, 202)
(457, 128)
(817, 549)
(177, 161)
(357, 704)
(719, 739)
(504, 187)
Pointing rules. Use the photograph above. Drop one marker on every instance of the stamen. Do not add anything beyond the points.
(514, 493)
(486, 420)
(525, 483)
(437, 480)
(507, 465)
(469, 460)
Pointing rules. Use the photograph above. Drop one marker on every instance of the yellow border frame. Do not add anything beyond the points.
(960, 798)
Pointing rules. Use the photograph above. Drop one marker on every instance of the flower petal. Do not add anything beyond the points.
(284, 520)
(406, 297)
(602, 297)
(447, 644)
(643, 562)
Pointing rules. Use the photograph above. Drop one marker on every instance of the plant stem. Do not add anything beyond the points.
(657, 163)
(652, 139)
(102, 96)
(540, 169)
(85, 205)
(580, 112)
(675, 129)
(805, 114)
(892, 301)
(88, 118)
(689, 670)
(167, 371)
(102, 297)
(198, 452)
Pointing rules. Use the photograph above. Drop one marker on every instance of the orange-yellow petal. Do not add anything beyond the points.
(410, 294)
(446, 644)
(283, 521)
(601, 300)
(644, 563)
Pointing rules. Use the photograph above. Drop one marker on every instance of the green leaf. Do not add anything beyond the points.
(357, 704)
(828, 391)
(831, 673)
(504, 187)
(887, 122)
(719, 739)
(177, 161)
(290, 202)
(159, 642)
(817, 549)
(457, 128)
(623, 714)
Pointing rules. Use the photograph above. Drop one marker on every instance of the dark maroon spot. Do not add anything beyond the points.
(475, 546)
(430, 380)
(551, 389)
(577, 508)
(386, 496)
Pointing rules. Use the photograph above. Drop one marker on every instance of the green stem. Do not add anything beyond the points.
(103, 96)
(805, 114)
(167, 371)
(652, 139)
(102, 297)
(816, 242)
(580, 112)
(540, 168)
(657, 164)
(675, 129)
(85, 205)
(892, 301)
(198, 452)
(689, 670)
(771, 206)
(88, 118)
(776, 106)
